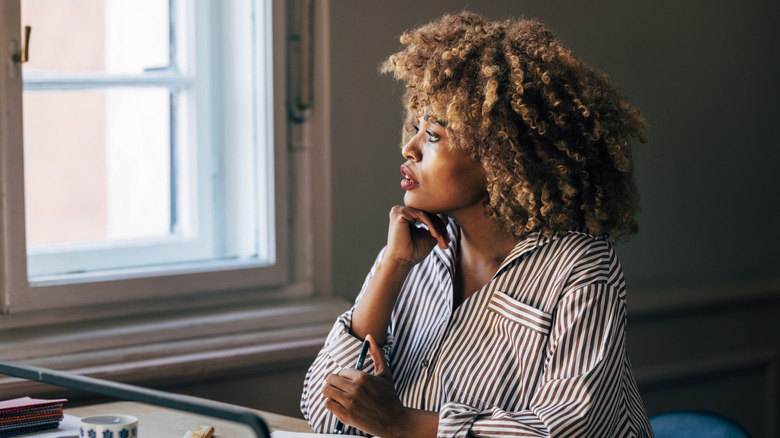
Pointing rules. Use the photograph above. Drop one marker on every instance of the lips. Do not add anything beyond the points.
(408, 183)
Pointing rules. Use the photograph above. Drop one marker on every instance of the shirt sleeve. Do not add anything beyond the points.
(580, 391)
(341, 350)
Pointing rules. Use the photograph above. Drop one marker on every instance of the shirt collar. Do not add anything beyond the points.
(447, 256)
(531, 242)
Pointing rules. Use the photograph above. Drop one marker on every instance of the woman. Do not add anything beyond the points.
(497, 307)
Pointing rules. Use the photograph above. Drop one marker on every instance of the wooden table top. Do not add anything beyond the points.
(158, 422)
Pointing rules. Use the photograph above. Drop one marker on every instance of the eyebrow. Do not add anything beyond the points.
(438, 122)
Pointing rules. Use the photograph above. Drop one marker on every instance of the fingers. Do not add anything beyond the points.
(338, 410)
(436, 226)
(368, 402)
(378, 356)
(336, 401)
(337, 384)
(339, 388)
(350, 375)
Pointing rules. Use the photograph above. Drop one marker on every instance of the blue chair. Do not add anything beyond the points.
(695, 424)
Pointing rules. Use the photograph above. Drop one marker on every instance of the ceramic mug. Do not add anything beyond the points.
(109, 426)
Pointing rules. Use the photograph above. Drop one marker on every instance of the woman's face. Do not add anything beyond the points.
(438, 178)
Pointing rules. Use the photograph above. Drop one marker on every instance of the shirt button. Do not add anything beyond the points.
(424, 363)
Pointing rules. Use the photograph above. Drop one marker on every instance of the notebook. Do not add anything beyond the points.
(283, 434)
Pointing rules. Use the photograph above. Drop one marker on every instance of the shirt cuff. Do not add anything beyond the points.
(455, 420)
(344, 348)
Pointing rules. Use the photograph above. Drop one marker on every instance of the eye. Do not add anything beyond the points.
(416, 128)
(433, 138)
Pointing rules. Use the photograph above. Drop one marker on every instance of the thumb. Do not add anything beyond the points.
(378, 356)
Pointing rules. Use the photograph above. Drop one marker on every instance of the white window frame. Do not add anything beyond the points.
(125, 293)
(182, 326)
(195, 189)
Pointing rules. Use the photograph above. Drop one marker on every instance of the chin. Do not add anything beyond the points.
(409, 201)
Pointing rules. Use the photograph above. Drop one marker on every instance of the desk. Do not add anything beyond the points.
(157, 422)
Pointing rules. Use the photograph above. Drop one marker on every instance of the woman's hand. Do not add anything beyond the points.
(370, 403)
(406, 243)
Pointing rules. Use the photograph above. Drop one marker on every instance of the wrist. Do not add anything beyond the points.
(398, 261)
(396, 265)
(415, 423)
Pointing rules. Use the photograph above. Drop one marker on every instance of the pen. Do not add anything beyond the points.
(339, 428)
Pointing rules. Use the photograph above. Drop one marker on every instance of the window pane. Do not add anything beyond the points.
(97, 165)
(111, 36)
(126, 174)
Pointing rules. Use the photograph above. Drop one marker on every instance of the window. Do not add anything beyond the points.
(154, 150)
(122, 166)
(221, 178)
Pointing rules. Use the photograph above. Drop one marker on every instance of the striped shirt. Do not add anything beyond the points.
(539, 351)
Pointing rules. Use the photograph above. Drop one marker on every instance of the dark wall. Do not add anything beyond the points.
(704, 287)
(702, 72)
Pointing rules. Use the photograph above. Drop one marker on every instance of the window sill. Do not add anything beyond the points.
(174, 348)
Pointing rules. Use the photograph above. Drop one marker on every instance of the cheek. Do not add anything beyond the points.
(469, 180)
(476, 188)
(474, 175)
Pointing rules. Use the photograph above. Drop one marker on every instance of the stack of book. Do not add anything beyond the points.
(26, 415)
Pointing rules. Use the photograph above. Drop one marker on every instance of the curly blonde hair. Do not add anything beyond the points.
(552, 134)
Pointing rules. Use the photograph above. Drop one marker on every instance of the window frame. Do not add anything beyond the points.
(127, 293)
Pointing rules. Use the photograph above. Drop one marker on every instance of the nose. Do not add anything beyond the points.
(411, 150)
